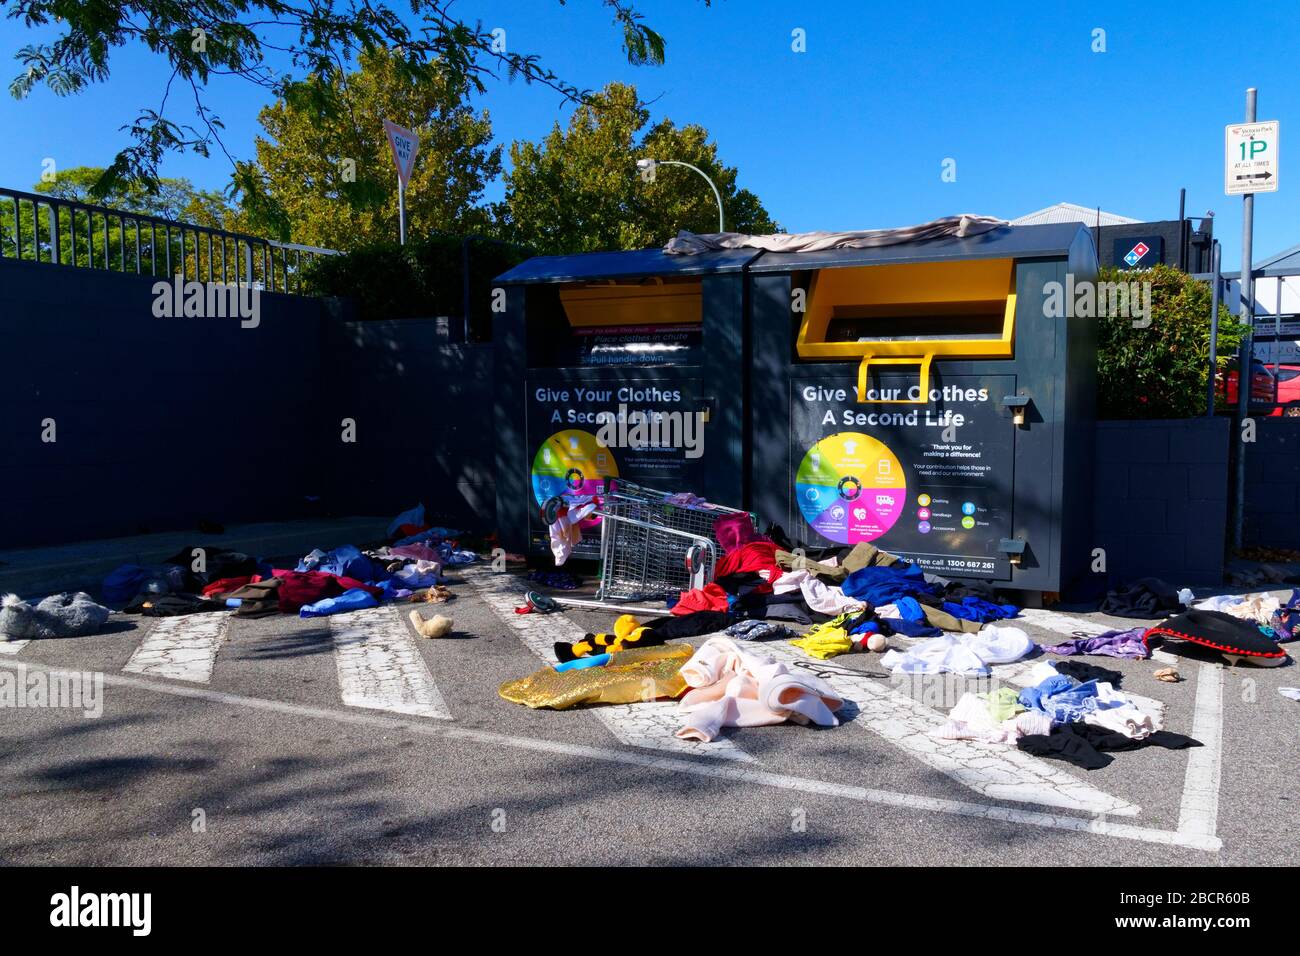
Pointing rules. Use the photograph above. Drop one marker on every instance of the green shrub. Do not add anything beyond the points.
(419, 280)
(1160, 371)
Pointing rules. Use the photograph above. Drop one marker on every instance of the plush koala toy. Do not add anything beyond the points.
(59, 615)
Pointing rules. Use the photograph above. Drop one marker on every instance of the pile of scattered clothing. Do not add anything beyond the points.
(200, 579)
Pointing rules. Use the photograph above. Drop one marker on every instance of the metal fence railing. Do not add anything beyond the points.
(35, 227)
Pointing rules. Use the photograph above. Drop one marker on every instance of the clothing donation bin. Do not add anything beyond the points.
(934, 398)
(617, 365)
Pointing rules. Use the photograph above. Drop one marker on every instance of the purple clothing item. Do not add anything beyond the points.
(1111, 644)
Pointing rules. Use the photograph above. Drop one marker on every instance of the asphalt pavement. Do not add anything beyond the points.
(351, 740)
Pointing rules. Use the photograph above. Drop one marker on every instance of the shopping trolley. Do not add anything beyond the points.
(651, 546)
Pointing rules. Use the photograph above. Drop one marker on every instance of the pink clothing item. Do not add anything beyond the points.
(731, 687)
(733, 531)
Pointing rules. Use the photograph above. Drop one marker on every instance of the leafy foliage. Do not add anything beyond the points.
(275, 44)
(324, 174)
(578, 189)
(1160, 371)
(423, 279)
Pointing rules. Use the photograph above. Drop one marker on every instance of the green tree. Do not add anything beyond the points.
(1158, 370)
(276, 45)
(578, 189)
(326, 171)
(99, 240)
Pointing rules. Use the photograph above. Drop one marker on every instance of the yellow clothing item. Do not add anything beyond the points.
(825, 643)
(643, 673)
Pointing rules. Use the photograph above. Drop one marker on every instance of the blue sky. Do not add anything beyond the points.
(852, 133)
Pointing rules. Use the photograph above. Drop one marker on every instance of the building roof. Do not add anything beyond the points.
(1285, 258)
(1069, 212)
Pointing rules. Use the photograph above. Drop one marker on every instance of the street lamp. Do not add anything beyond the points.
(647, 169)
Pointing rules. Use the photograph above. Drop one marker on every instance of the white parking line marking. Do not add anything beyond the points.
(651, 725)
(997, 771)
(379, 666)
(181, 648)
(740, 774)
(1199, 813)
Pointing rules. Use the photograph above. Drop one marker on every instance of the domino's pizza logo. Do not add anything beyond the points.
(1135, 254)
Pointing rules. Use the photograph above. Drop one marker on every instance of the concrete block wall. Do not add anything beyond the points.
(1273, 484)
(1161, 503)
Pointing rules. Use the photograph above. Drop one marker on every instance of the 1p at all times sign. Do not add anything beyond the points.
(1250, 158)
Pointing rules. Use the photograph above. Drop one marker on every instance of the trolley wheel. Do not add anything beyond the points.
(551, 509)
(695, 556)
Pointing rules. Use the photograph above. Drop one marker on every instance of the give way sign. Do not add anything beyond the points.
(405, 145)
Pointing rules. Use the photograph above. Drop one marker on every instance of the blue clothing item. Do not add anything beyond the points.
(913, 622)
(1062, 698)
(1070, 706)
(394, 590)
(428, 535)
(125, 582)
(582, 663)
(977, 609)
(346, 561)
(353, 599)
(885, 584)
(1031, 698)
(912, 628)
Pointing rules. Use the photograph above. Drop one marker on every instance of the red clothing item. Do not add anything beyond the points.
(757, 555)
(308, 587)
(711, 597)
(225, 585)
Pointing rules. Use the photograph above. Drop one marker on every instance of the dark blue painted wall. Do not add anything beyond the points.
(1273, 484)
(1161, 505)
(160, 422)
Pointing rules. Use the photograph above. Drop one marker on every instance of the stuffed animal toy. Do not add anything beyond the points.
(628, 632)
(435, 627)
(59, 615)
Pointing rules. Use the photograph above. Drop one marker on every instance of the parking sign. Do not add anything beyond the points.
(1250, 158)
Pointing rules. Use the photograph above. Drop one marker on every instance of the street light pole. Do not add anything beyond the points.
(648, 165)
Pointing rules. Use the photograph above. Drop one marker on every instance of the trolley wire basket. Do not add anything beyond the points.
(651, 546)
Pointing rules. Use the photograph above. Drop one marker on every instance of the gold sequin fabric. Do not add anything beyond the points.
(643, 673)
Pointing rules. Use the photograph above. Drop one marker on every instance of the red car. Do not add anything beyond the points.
(1261, 385)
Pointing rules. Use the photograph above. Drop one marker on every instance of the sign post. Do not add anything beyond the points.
(405, 145)
(1249, 166)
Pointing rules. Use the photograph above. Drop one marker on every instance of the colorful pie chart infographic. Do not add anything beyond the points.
(851, 488)
(571, 462)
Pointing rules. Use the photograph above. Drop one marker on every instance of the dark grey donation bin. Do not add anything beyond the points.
(589, 346)
(934, 398)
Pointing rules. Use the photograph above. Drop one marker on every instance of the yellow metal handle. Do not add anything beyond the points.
(923, 362)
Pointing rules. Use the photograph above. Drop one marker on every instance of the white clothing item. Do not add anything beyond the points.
(961, 653)
(938, 655)
(732, 687)
(1119, 712)
(999, 644)
(817, 594)
(970, 720)
(1258, 608)
(1291, 692)
(889, 610)
(1185, 597)
(1040, 672)
(565, 533)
